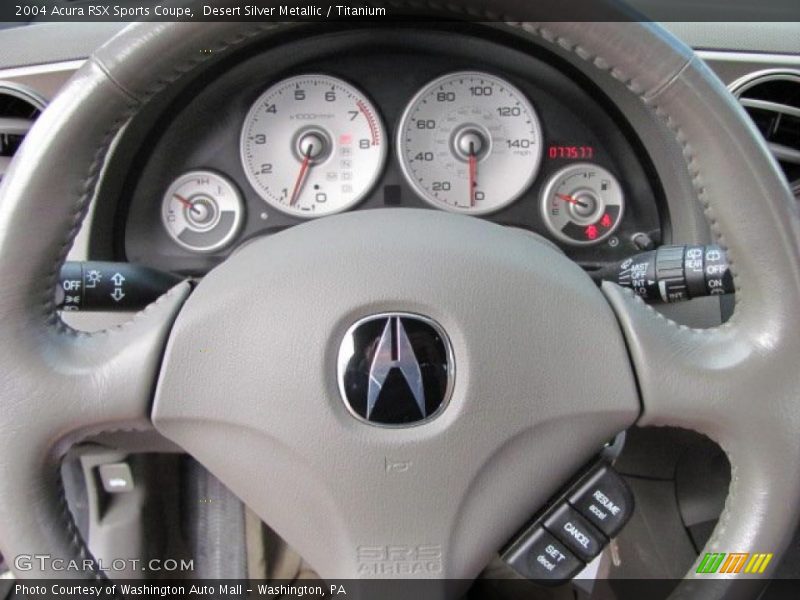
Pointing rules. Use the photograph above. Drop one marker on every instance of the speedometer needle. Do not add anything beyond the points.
(572, 200)
(298, 184)
(473, 173)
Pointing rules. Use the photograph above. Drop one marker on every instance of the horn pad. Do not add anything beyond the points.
(498, 321)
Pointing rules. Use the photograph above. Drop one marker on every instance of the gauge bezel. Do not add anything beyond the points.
(238, 218)
(373, 180)
(412, 181)
(549, 187)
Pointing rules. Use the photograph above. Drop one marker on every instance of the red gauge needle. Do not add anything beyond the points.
(572, 200)
(298, 184)
(473, 174)
(186, 203)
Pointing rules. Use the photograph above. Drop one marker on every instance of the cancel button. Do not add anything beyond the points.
(576, 533)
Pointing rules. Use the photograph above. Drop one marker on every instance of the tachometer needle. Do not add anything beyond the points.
(473, 173)
(572, 200)
(298, 184)
(187, 203)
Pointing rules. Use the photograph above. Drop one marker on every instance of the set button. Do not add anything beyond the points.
(543, 558)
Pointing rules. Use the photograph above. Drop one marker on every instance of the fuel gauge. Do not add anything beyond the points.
(202, 211)
(582, 204)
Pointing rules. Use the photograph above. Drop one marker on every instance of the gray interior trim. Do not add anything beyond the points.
(53, 42)
(750, 57)
(735, 67)
(44, 80)
(785, 109)
(773, 36)
(33, 70)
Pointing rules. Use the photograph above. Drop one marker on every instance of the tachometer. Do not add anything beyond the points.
(312, 145)
(470, 142)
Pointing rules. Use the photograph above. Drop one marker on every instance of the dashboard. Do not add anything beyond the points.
(353, 120)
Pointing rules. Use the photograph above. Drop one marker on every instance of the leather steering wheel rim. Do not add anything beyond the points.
(62, 386)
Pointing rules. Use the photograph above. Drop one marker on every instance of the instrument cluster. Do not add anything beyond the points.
(523, 147)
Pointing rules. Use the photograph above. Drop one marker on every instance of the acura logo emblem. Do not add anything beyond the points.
(395, 369)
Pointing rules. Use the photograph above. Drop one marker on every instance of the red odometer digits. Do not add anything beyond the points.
(570, 152)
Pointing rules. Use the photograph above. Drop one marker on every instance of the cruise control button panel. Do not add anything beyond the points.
(604, 499)
(571, 528)
(574, 530)
(541, 557)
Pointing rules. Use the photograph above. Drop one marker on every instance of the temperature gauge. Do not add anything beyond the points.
(202, 211)
(582, 204)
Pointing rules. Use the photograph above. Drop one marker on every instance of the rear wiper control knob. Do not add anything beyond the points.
(676, 273)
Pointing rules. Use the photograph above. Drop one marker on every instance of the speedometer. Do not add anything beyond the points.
(470, 142)
(312, 145)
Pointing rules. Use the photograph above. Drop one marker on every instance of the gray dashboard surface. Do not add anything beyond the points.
(52, 42)
(771, 37)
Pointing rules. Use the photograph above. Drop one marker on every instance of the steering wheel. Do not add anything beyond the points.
(241, 372)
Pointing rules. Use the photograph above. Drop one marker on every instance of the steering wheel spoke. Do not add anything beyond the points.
(69, 386)
(728, 384)
(687, 377)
